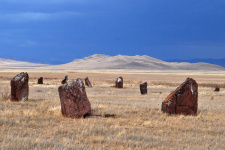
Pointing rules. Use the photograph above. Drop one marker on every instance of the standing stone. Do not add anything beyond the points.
(184, 100)
(119, 82)
(143, 88)
(40, 80)
(217, 89)
(20, 87)
(87, 82)
(73, 98)
(64, 80)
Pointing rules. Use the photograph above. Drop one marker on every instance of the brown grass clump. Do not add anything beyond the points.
(4, 94)
(139, 123)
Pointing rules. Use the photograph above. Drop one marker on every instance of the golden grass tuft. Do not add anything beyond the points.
(4, 94)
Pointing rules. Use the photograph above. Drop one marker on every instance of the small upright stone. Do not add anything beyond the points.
(143, 88)
(40, 80)
(87, 82)
(20, 87)
(217, 89)
(184, 100)
(119, 82)
(64, 80)
(74, 101)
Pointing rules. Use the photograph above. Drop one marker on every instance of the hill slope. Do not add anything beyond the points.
(8, 63)
(99, 61)
(220, 62)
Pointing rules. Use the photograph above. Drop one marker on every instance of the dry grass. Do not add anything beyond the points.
(5, 94)
(211, 85)
(139, 123)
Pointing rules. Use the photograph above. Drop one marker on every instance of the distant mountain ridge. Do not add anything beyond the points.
(101, 61)
(220, 62)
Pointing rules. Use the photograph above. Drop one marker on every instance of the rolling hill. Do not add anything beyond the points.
(100, 61)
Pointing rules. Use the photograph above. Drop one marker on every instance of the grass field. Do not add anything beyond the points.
(139, 122)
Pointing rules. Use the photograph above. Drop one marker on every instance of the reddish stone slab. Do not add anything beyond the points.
(87, 82)
(184, 100)
(143, 88)
(64, 80)
(40, 80)
(119, 82)
(20, 87)
(74, 100)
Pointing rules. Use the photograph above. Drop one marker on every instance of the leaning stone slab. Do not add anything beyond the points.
(20, 87)
(74, 100)
(119, 82)
(40, 80)
(87, 82)
(143, 88)
(184, 100)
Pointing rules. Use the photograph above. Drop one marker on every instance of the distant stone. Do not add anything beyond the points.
(184, 100)
(119, 82)
(74, 100)
(217, 89)
(64, 80)
(20, 87)
(143, 88)
(40, 80)
(87, 82)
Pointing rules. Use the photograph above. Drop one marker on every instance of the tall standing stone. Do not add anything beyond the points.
(73, 98)
(64, 80)
(20, 87)
(184, 100)
(87, 82)
(143, 88)
(119, 82)
(40, 80)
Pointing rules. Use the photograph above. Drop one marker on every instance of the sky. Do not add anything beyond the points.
(59, 31)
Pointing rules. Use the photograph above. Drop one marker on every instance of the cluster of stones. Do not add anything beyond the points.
(75, 103)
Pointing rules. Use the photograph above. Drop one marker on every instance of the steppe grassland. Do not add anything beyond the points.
(139, 122)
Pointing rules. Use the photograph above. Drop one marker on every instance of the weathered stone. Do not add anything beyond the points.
(73, 98)
(87, 82)
(40, 80)
(143, 88)
(64, 80)
(119, 82)
(184, 100)
(20, 87)
(217, 89)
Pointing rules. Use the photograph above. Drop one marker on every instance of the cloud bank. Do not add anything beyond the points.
(36, 16)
